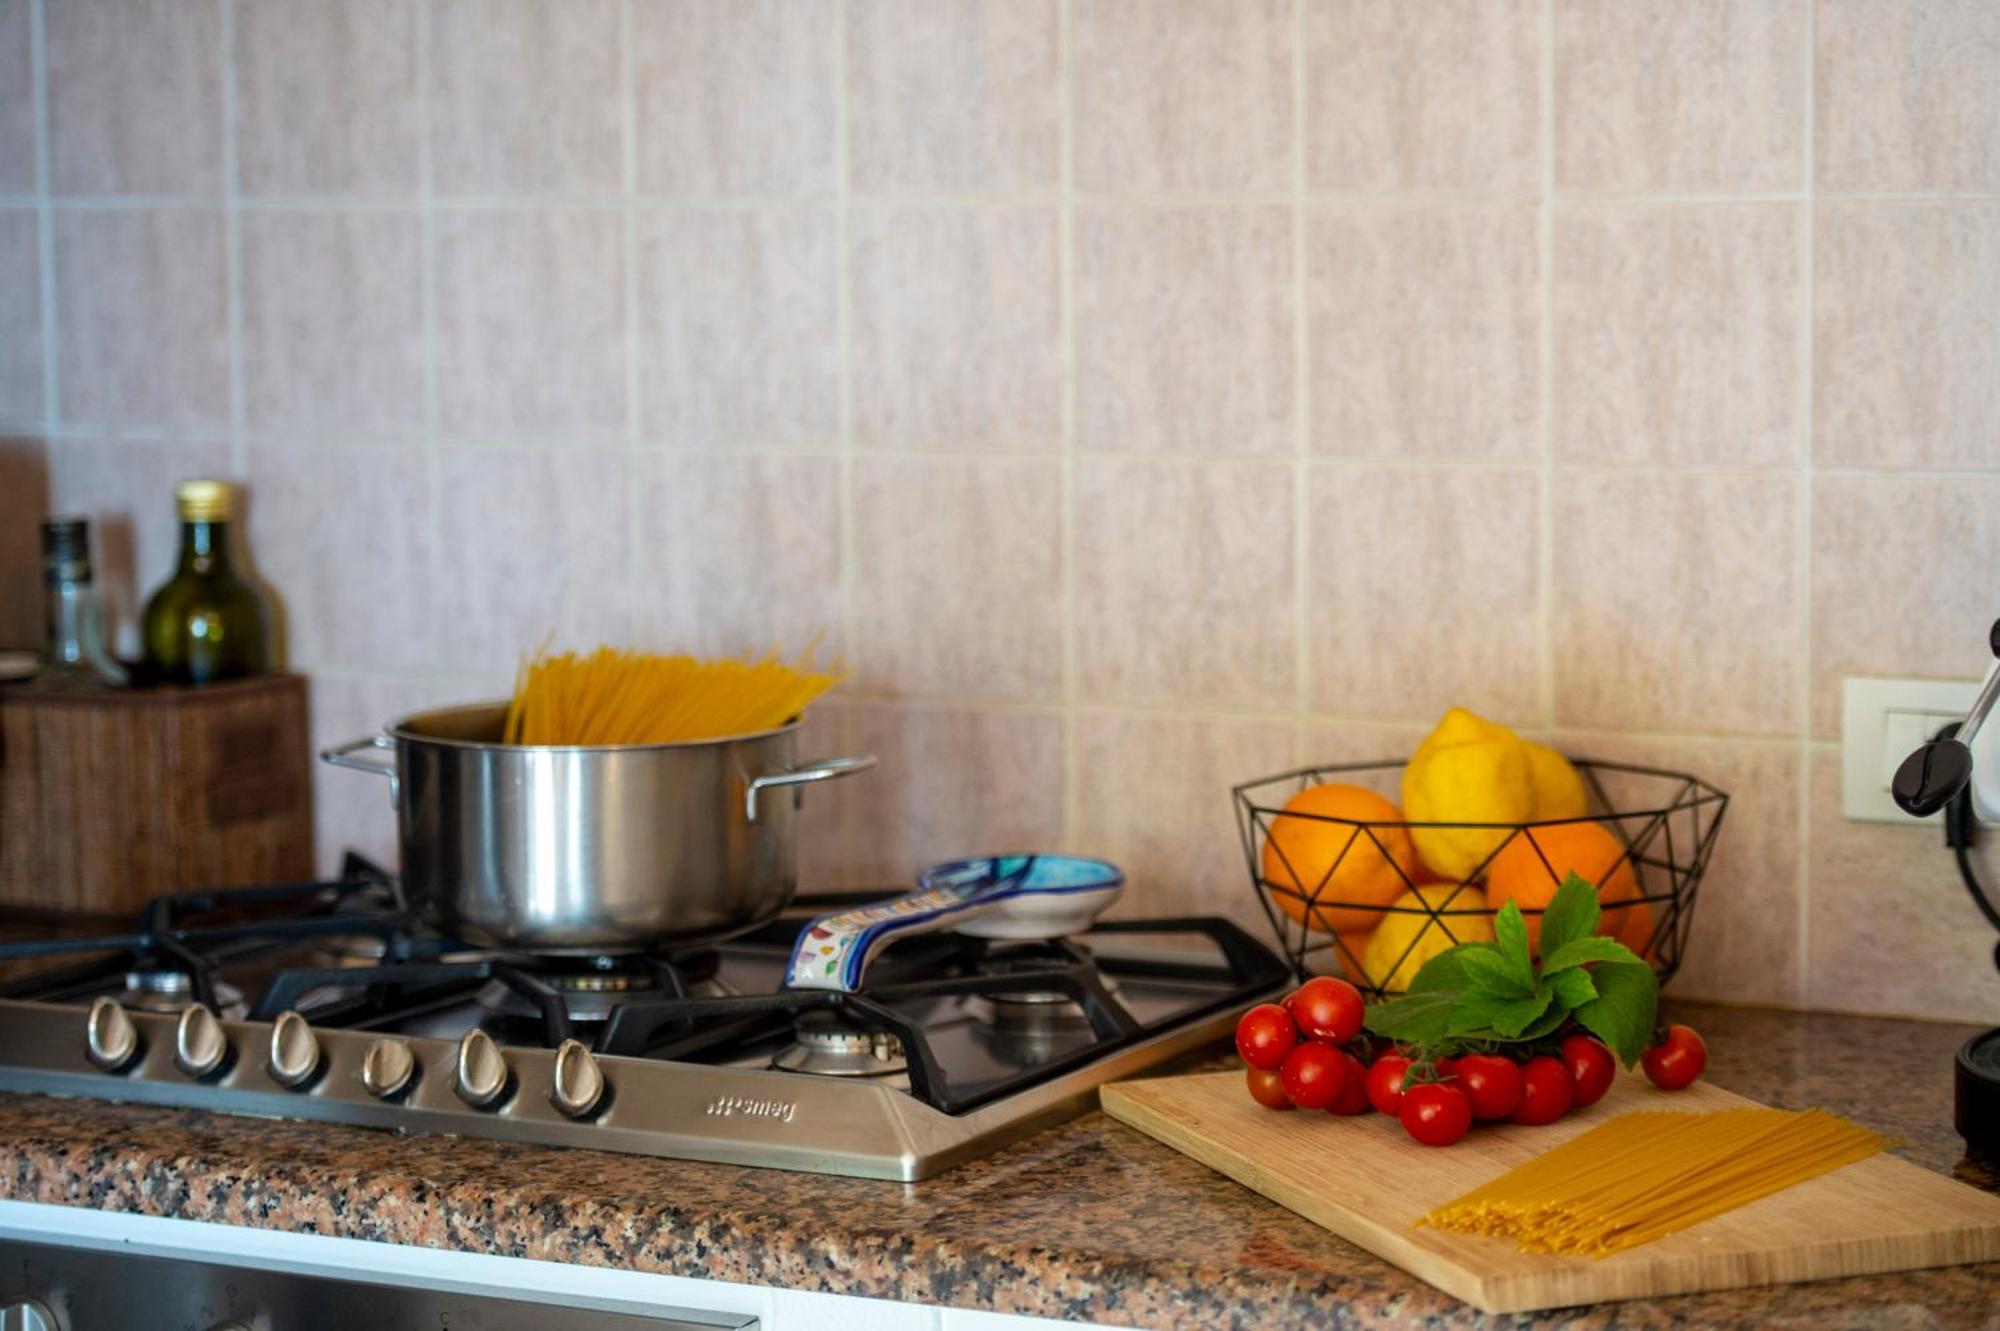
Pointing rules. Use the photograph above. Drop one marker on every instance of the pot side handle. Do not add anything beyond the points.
(366, 755)
(823, 769)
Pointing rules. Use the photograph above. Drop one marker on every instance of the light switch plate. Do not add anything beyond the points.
(1881, 722)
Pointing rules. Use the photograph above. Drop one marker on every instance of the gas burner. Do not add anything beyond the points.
(826, 1048)
(172, 991)
(350, 950)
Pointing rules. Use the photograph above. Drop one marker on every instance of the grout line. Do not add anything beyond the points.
(1802, 567)
(843, 307)
(428, 315)
(1545, 373)
(1072, 737)
(45, 239)
(232, 232)
(628, 105)
(1301, 398)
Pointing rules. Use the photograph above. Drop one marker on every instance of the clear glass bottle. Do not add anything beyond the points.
(207, 622)
(77, 657)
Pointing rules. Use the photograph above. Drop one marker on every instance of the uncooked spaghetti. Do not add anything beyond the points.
(1644, 1175)
(617, 697)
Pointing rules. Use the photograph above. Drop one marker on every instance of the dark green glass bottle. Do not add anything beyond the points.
(207, 622)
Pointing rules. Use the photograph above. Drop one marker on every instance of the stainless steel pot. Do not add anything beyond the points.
(590, 849)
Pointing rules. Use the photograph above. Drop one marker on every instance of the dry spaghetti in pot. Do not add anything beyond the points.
(619, 697)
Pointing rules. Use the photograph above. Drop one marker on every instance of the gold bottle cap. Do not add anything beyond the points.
(205, 501)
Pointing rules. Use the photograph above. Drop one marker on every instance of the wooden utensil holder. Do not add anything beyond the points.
(107, 799)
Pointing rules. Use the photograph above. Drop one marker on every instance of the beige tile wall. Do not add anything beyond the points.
(1143, 395)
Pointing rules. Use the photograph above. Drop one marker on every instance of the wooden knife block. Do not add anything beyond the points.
(108, 799)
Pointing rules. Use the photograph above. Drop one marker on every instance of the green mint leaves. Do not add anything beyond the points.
(1493, 993)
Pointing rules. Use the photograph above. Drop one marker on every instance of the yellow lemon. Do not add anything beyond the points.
(1405, 940)
(1559, 789)
(1484, 780)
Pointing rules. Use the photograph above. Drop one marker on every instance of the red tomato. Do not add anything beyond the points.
(1385, 1082)
(1265, 1035)
(1435, 1114)
(1591, 1068)
(1267, 1088)
(1676, 1061)
(1546, 1091)
(1353, 1098)
(1491, 1082)
(1313, 1074)
(1326, 1009)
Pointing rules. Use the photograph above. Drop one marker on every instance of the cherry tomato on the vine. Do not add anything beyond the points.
(1591, 1068)
(1267, 1088)
(1326, 1008)
(1353, 1098)
(1265, 1035)
(1385, 1082)
(1491, 1082)
(1313, 1074)
(1435, 1114)
(1546, 1091)
(1676, 1061)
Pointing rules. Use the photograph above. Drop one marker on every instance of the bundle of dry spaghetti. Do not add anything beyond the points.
(1644, 1175)
(616, 697)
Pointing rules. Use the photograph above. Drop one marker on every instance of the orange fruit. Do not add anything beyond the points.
(1631, 925)
(1533, 864)
(1307, 858)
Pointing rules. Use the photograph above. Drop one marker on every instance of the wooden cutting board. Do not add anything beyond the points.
(1365, 1180)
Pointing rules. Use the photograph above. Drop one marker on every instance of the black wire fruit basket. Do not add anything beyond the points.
(1345, 895)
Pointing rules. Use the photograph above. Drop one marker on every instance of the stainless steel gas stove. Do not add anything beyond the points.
(326, 1001)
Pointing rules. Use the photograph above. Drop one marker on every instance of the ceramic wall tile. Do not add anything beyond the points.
(326, 97)
(1904, 96)
(525, 96)
(1154, 796)
(1423, 322)
(21, 364)
(956, 320)
(1902, 581)
(531, 323)
(1184, 583)
(984, 622)
(1700, 95)
(127, 492)
(738, 554)
(1676, 603)
(1891, 929)
(333, 323)
(1742, 944)
(960, 96)
(1440, 96)
(951, 782)
(738, 326)
(135, 97)
(1184, 328)
(141, 313)
(1904, 339)
(1183, 94)
(734, 96)
(1677, 333)
(17, 99)
(348, 602)
(533, 544)
(1421, 592)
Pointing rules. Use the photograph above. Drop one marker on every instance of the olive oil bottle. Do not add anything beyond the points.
(207, 622)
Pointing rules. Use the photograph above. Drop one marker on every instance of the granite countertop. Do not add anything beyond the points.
(1088, 1220)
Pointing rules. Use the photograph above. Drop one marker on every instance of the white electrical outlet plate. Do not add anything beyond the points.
(1881, 722)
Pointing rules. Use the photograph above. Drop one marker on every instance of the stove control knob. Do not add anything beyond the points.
(294, 1051)
(388, 1067)
(482, 1070)
(579, 1082)
(28, 1315)
(110, 1038)
(200, 1043)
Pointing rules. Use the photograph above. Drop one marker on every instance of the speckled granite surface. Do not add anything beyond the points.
(1088, 1220)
